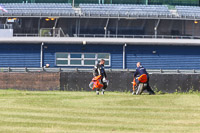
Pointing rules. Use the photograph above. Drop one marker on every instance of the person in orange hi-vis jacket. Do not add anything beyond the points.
(96, 83)
(141, 76)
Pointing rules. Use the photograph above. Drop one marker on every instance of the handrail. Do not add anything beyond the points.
(111, 36)
(138, 36)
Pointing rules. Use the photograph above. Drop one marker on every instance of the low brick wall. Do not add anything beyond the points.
(30, 81)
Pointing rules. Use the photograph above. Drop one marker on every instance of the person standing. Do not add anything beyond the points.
(99, 70)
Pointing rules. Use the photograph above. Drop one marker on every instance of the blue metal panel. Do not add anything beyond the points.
(19, 55)
(152, 57)
(114, 50)
(163, 57)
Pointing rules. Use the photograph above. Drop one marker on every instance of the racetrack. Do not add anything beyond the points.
(115, 112)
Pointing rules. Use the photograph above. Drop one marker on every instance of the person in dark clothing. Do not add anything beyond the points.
(140, 70)
(99, 70)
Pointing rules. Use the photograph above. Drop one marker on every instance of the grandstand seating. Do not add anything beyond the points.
(188, 11)
(77, 2)
(97, 10)
(123, 10)
(38, 9)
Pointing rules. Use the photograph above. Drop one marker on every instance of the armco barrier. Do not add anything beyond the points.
(78, 81)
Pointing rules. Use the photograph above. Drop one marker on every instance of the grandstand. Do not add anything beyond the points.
(98, 10)
(34, 9)
(188, 11)
(120, 10)
(76, 35)
(77, 2)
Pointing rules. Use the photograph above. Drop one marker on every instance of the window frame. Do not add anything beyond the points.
(82, 59)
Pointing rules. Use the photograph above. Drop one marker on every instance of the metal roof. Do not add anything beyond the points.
(110, 41)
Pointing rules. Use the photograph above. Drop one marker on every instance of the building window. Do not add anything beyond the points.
(75, 59)
(81, 59)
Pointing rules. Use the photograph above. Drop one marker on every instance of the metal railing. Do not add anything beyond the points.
(151, 71)
(110, 36)
(25, 35)
(138, 36)
(6, 26)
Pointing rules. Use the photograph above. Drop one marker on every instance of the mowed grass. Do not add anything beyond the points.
(84, 112)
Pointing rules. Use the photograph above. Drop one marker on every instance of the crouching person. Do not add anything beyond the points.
(141, 76)
(100, 71)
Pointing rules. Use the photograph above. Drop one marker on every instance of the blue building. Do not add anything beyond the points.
(86, 52)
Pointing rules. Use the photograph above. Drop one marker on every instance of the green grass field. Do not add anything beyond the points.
(82, 112)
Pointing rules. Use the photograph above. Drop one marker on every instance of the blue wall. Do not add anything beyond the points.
(19, 55)
(166, 57)
(115, 51)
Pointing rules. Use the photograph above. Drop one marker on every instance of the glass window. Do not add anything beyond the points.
(75, 62)
(89, 55)
(62, 62)
(75, 55)
(61, 55)
(103, 56)
(89, 62)
(81, 59)
(107, 63)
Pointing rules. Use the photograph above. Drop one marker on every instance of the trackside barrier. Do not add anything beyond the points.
(75, 79)
(156, 71)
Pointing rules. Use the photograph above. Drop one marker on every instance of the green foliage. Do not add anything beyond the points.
(190, 91)
(158, 91)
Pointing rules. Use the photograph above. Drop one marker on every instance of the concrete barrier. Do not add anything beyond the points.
(121, 81)
(79, 81)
